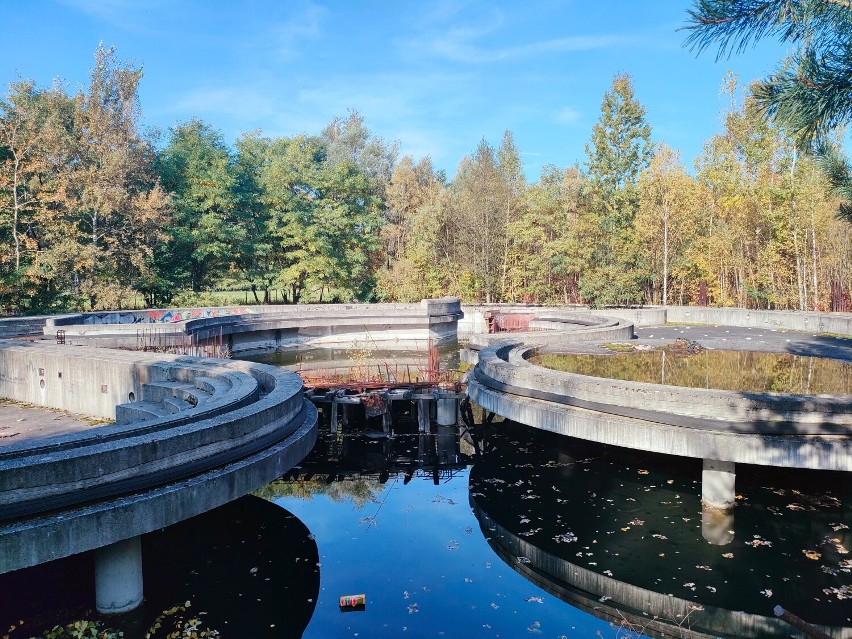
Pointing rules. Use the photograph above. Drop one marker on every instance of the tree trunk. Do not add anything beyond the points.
(665, 259)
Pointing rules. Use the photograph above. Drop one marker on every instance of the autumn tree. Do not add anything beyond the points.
(478, 225)
(666, 194)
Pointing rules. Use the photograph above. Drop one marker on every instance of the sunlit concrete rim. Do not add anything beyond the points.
(269, 328)
(510, 365)
(828, 452)
(33, 541)
(115, 482)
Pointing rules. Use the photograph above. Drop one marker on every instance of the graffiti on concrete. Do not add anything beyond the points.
(166, 316)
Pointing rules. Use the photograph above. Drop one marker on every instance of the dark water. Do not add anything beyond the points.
(247, 569)
(723, 370)
(526, 534)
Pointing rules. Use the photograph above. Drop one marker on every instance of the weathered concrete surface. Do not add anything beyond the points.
(557, 327)
(269, 328)
(24, 422)
(827, 452)
(118, 576)
(836, 323)
(253, 412)
(755, 428)
(31, 541)
(22, 326)
(782, 414)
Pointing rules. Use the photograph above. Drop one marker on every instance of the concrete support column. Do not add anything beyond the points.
(118, 576)
(423, 416)
(448, 411)
(717, 484)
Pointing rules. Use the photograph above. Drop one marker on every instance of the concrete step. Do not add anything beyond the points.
(212, 385)
(161, 391)
(139, 411)
(176, 404)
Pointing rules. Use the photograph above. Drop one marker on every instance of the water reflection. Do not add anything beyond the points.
(248, 569)
(630, 544)
(723, 370)
(366, 362)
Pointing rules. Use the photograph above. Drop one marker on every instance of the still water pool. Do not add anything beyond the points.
(520, 534)
(719, 369)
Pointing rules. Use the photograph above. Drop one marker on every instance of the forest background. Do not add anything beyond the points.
(96, 213)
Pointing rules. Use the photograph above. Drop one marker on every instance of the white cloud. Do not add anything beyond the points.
(568, 116)
(305, 24)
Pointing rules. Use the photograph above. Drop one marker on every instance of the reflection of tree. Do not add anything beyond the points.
(358, 490)
(724, 370)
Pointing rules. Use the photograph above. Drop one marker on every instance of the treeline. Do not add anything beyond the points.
(95, 213)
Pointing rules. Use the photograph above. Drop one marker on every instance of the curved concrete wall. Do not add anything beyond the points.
(255, 418)
(557, 326)
(385, 326)
(767, 410)
(608, 412)
(836, 323)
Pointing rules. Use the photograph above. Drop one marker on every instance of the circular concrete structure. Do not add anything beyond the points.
(225, 429)
(189, 433)
(721, 428)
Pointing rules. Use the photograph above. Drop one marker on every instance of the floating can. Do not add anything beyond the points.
(353, 601)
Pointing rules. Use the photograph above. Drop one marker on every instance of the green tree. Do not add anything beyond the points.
(811, 92)
(323, 222)
(509, 167)
(197, 169)
(349, 141)
(619, 150)
(477, 225)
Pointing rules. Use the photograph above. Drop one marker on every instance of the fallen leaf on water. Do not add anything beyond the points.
(766, 593)
(812, 554)
(728, 555)
(643, 472)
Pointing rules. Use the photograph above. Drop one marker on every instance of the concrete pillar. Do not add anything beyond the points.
(717, 484)
(423, 417)
(387, 421)
(448, 411)
(118, 576)
(333, 420)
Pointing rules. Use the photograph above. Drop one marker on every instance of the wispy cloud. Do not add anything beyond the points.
(460, 51)
(304, 24)
(569, 116)
(131, 15)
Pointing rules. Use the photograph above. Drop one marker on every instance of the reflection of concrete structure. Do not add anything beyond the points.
(720, 427)
(189, 435)
(639, 609)
(436, 455)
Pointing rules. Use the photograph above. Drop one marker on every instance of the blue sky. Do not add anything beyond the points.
(434, 76)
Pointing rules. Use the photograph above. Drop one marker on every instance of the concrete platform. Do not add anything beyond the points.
(27, 423)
